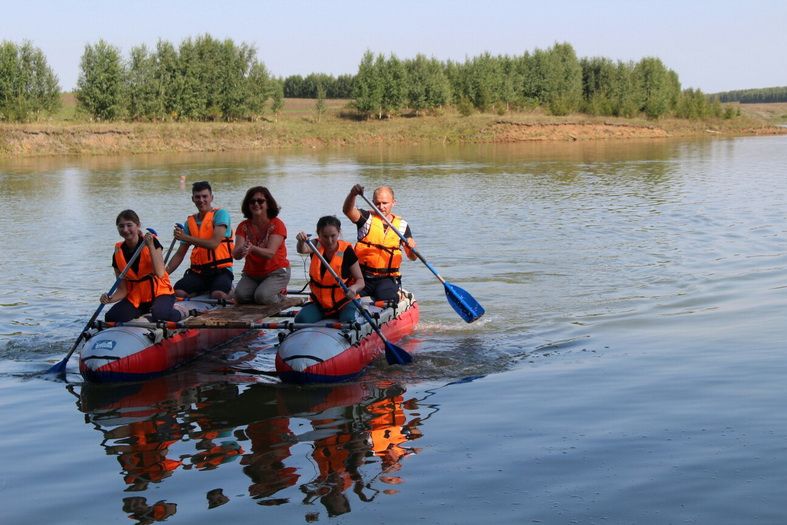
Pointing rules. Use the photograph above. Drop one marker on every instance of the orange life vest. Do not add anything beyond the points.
(325, 291)
(203, 259)
(378, 252)
(143, 285)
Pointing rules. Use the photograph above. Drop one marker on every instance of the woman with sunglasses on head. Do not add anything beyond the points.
(260, 240)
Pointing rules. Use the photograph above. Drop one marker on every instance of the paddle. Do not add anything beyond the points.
(460, 300)
(172, 244)
(60, 368)
(393, 354)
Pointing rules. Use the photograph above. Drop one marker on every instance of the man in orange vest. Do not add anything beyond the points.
(210, 233)
(379, 250)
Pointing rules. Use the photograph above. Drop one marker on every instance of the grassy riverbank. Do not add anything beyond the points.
(298, 126)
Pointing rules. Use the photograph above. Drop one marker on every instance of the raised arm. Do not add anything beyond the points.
(349, 208)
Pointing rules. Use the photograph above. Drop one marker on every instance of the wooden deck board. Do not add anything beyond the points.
(240, 316)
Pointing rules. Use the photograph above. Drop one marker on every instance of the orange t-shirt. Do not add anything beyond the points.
(254, 265)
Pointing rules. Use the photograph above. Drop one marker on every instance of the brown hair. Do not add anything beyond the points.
(128, 215)
(329, 220)
(273, 206)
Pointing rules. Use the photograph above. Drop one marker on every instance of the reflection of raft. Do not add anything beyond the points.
(322, 354)
(140, 349)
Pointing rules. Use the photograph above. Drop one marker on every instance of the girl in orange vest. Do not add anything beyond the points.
(146, 287)
(328, 298)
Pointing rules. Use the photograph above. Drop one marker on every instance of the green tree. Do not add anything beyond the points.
(101, 84)
(626, 92)
(28, 87)
(428, 86)
(599, 76)
(141, 85)
(654, 84)
(394, 80)
(319, 106)
(277, 97)
(563, 80)
(368, 86)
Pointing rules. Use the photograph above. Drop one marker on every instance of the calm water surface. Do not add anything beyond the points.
(630, 368)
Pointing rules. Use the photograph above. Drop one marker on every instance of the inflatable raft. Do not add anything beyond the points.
(323, 354)
(140, 349)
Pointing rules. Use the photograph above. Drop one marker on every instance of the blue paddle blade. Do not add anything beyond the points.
(395, 355)
(463, 303)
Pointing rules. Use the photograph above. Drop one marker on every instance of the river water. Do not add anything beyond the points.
(630, 367)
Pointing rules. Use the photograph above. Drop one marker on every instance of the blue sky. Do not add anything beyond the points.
(713, 45)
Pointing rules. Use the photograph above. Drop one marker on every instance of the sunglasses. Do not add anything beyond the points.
(258, 202)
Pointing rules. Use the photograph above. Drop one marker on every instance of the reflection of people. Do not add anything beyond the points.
(328, 299)
(145, 514)
(142, 450)
(260, 240)
(210, 233)
(379, 250)
(216, 498)
(270, 447)
(146, 286)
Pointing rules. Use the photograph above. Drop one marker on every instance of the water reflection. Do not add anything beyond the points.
(329, 444)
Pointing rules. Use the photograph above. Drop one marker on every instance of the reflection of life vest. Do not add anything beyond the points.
(142, 285)
(146, 458)
(270, 446)
(332, 455)
(386, 430)
(378, 252)
(325, 291)
(203, 259)
(216, 455)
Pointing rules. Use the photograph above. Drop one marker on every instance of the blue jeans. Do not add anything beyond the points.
(313, 313)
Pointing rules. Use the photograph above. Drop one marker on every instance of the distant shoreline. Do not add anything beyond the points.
(297, 127)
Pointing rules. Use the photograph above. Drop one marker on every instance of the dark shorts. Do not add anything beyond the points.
(194, 283)
(161, 309)
(381, 288)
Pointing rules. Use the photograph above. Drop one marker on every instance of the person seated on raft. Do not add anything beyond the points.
(145, 287)
(328, 299)
(379, 249)
(209, 232)
(260, 240)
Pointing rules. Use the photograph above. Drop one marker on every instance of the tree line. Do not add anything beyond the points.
(297, 86)
(209, 79)
(202, 79)
(751, 96)
(554, 79)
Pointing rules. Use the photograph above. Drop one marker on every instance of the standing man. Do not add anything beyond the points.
(379, 250)
(210, 233)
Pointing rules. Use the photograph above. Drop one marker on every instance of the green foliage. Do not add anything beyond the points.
(655, 86)
(563, 80)
(319, 106)
(204, 79)
(28, 87)
(752, 96)
(427, 86)
(296, 86)
(101, 84)
(277, 97)
(394, 78)
(368, 87)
